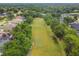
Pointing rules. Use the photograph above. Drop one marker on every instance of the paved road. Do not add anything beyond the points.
(42, 43)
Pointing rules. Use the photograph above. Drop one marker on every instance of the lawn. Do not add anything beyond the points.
(42, 43)
(3, 22)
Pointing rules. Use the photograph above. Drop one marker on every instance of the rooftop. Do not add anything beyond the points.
(75, 25)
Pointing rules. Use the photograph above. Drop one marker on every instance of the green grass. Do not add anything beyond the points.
(3, 22)
(42, 42)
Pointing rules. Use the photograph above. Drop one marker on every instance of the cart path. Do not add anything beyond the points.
(42, 43)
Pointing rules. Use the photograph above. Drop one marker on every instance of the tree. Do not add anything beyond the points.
(48, 18)
(59, 31)
(29, 19)
(54, 23)
(10, 16)
(72, 44)
(75, 17)
(68, 20)
(21, 43)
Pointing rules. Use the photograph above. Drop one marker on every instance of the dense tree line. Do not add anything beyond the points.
(69, 37)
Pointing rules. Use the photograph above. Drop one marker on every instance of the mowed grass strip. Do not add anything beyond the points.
(42, 43)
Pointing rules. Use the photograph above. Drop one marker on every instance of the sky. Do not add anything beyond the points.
(39, 1)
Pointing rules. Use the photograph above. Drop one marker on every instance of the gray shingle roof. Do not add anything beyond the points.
(75, 26)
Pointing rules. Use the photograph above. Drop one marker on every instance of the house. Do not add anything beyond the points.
(3, 14)
(20, 17)
(75, 26)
